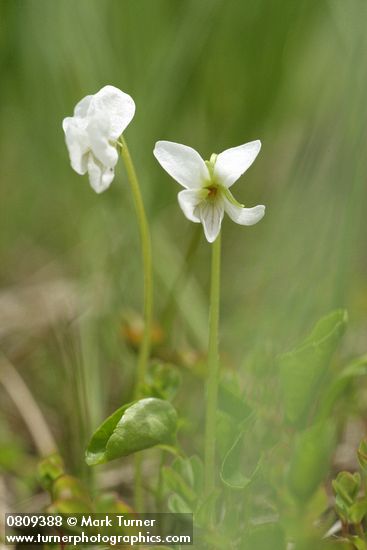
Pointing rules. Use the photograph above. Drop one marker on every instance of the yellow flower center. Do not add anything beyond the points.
(212, 191)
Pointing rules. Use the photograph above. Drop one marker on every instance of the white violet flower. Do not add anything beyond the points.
(207, 196)
(91, 134)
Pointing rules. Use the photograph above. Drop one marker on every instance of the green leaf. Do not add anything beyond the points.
(69, 495)
(354, 370)
(358, 543)
(357, 511)
(341, 509)
(346, 486)
(197, 468)
(303, 369)
(163, 381)
(237, 471)
(178, 505)
(68, 487)
(185, 478)
(316, 506)
(362, 454)
(177, 484)
(132, 428)
(70, 506)
(206, 510)
(232, 402)
(49, 469)
(310, 460)
(110, 503)
(184, 468)
(96, 450)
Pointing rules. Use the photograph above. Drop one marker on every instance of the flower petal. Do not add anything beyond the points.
(100, 177)
(183, 163)
(244, 216)
(189, 200)
(81, 108)
(77, 143)
(232, 163)
(99, 131)
(211, 215)
(120, 108)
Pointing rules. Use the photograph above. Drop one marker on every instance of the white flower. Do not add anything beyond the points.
(207, 196)
(91, 134)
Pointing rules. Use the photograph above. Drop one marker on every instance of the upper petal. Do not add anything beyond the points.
(118, 106)
(81, 108)
(244, 216)
(100, 177)
(232, 163)
(99, 131)
(211, 215)
(183, 163)
(77, 143)
(189, 200)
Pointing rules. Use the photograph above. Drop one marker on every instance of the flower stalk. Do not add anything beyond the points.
(213, 371)
(144, 351)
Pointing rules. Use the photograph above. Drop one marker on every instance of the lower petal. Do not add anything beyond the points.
(100, 177)
(244, 216)
(211, 215)
(189, 201)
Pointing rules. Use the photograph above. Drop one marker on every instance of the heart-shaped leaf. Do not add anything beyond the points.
(238, 470)
(132, 428)
(310, 460)
(342, 384)
(232, 402)
(303, 369)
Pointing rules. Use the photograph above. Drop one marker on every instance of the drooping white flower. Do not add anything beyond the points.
(91, 134)
(207, 196)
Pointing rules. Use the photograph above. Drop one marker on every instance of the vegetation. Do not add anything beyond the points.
(291, 410)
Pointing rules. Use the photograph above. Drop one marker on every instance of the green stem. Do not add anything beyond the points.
(213, 369)
(145, 346)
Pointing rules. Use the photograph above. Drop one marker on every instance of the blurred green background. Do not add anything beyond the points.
(211, 74)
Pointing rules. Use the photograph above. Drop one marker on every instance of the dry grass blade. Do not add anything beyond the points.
(27, 407)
